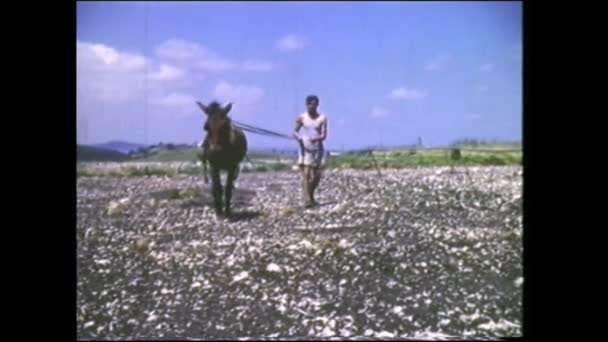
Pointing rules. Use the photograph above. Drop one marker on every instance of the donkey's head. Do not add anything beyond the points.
(218, 123)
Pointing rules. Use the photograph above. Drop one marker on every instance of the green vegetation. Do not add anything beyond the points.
(465, 152)
(481, 143)
(428, 158)
(192, 154)
(172, 155)
(168, 170)
(268, 167)
(146, 171)
(90, 153)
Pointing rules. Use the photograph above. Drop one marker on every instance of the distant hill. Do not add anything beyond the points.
(119, 146)
(91, 153)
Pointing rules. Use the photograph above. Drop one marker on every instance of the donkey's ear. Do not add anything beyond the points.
(227, 108)
(203, 107)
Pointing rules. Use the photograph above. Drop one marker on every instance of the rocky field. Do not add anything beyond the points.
(428, 253)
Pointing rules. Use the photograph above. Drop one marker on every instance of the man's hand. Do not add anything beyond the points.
(314, 140)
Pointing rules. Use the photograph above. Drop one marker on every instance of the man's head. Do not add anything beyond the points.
(219, 124)
(312, 102)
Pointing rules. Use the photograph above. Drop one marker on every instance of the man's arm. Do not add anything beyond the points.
(297, 128)
(323, 132)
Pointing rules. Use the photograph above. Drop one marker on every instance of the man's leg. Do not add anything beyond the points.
(305, 191)
(316, 173)
(316, 178)
(309, 182)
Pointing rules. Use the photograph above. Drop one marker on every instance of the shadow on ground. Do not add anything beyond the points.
(243, 215)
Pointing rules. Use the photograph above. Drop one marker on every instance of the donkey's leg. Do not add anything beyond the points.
(205, 170)
(205, 167)
(232, 175)
(217, 190)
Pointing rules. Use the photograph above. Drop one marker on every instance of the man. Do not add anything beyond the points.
(311, 132)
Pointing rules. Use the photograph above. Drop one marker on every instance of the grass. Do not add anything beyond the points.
(147, 172)
(481, 143)
(472, 155)
(173, 155)
(268, 167)
(132, 171)
(160, 171)
(426, 158)
(192, 154)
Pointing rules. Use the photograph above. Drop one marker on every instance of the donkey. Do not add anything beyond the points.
(224, 148)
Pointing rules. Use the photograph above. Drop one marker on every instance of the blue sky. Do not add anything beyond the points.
(386, 72)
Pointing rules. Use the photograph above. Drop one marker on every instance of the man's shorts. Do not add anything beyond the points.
(314, 158)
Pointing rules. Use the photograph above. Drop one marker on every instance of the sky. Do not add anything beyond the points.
(385, 72)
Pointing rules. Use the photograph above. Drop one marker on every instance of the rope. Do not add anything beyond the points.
(260, 131)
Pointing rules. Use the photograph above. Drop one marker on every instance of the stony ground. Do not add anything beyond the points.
(420, 253)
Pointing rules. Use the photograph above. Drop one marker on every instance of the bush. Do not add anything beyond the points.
(493, 160)
(146, 172)
(82, 173)
(278, 167)
(193, 170)
(455, 154)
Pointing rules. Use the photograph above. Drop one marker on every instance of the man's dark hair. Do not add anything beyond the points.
(311, 98)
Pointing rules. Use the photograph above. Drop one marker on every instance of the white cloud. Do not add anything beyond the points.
(214, 64)
(167, 73)
(378, 112)
(182, 51)
(256, 66)
(108, 74)
(239, 94)
(487, 67)
(438, 63)
(175, 100)
(193, 55)
(105, 57)
(404, 93)
(113, 86)
(177, 104)
(291, 42)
